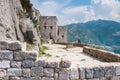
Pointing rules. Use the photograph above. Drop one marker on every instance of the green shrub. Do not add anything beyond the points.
(44, 47)
(41, 40)
(26, 5)
(48, 55)
(57, 56)
(42, 52)
(65, 48)
(83, 60)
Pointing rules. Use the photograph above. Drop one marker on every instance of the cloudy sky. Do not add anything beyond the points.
(74, 11)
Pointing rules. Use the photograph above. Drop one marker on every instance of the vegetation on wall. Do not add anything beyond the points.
(26, 5)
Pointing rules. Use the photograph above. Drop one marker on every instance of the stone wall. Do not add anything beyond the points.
(16, 64)
(48, 27)
(102, 54)
(62, 34)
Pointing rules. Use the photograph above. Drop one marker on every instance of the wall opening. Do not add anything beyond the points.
(62, 36)
(50, 35)
(44, 27)
(58, 32)
(51, 27)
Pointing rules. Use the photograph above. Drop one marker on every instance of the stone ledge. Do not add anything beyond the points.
(10, 45)
(102, 54)
(6, 55)
(26, 55)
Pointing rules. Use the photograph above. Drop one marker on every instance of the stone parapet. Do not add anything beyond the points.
(16, 64)
(102, 54)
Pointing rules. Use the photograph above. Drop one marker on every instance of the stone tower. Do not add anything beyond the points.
(48, 28)
(62, 34)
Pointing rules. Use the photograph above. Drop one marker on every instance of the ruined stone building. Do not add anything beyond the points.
(50, 30)
(62, 34)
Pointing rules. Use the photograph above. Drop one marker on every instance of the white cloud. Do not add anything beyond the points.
(96, 1)
(74, 10)
(49, 3)
(99, 9)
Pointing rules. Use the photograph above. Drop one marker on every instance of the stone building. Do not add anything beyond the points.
(50, 30)
(48, 27)
(62, 34)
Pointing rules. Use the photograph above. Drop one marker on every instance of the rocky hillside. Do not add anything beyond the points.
(19, 21)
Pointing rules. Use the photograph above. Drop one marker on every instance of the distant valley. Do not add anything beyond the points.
(99, 32)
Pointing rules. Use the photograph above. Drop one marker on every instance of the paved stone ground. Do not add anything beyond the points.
(75, 55)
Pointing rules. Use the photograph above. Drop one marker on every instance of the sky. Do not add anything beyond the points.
(79, 11)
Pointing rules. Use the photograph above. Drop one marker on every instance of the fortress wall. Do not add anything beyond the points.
(17, 64)
(102, 54)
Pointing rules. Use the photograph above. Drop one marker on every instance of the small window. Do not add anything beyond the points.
(58, 32)
(44, 27)
(62, 36)
(51, 27)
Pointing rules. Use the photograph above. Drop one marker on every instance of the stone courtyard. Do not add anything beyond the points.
(75, 55)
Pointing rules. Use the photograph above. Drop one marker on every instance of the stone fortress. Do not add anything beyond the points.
(50, 30)
(19, 22)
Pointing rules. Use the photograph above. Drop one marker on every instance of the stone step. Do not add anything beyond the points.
(12, 45)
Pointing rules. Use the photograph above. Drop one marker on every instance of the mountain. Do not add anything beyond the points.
(99, 32)
(78, 31)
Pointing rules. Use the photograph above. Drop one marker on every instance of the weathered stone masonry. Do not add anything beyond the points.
(16, 64)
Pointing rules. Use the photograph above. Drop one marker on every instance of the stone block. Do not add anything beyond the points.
(52, 64)
(99, 72)
(6, 55)
(2, 72)
(46, 78)
(19, 56)
(109, 71)
(94, 79)
(14, 46)
(28, 55)
(115, 78)
(36, 78)
(82, 73)
(4, 78)
(27, 63)
(56, 76)
(26, 72)
(4, 64)
(14, 78)
(15, 64)
(3, 45)
(74, 74)
(103, 78)
(14, 72)
(65, 64)
(36, 71)
(24, 78)
(117, 70)
(48, 72)
(64, 75)
(89, 73)
(40, 63)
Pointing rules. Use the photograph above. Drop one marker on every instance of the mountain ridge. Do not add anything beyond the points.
(98, 32)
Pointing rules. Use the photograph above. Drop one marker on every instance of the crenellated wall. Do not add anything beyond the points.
(17, 64)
